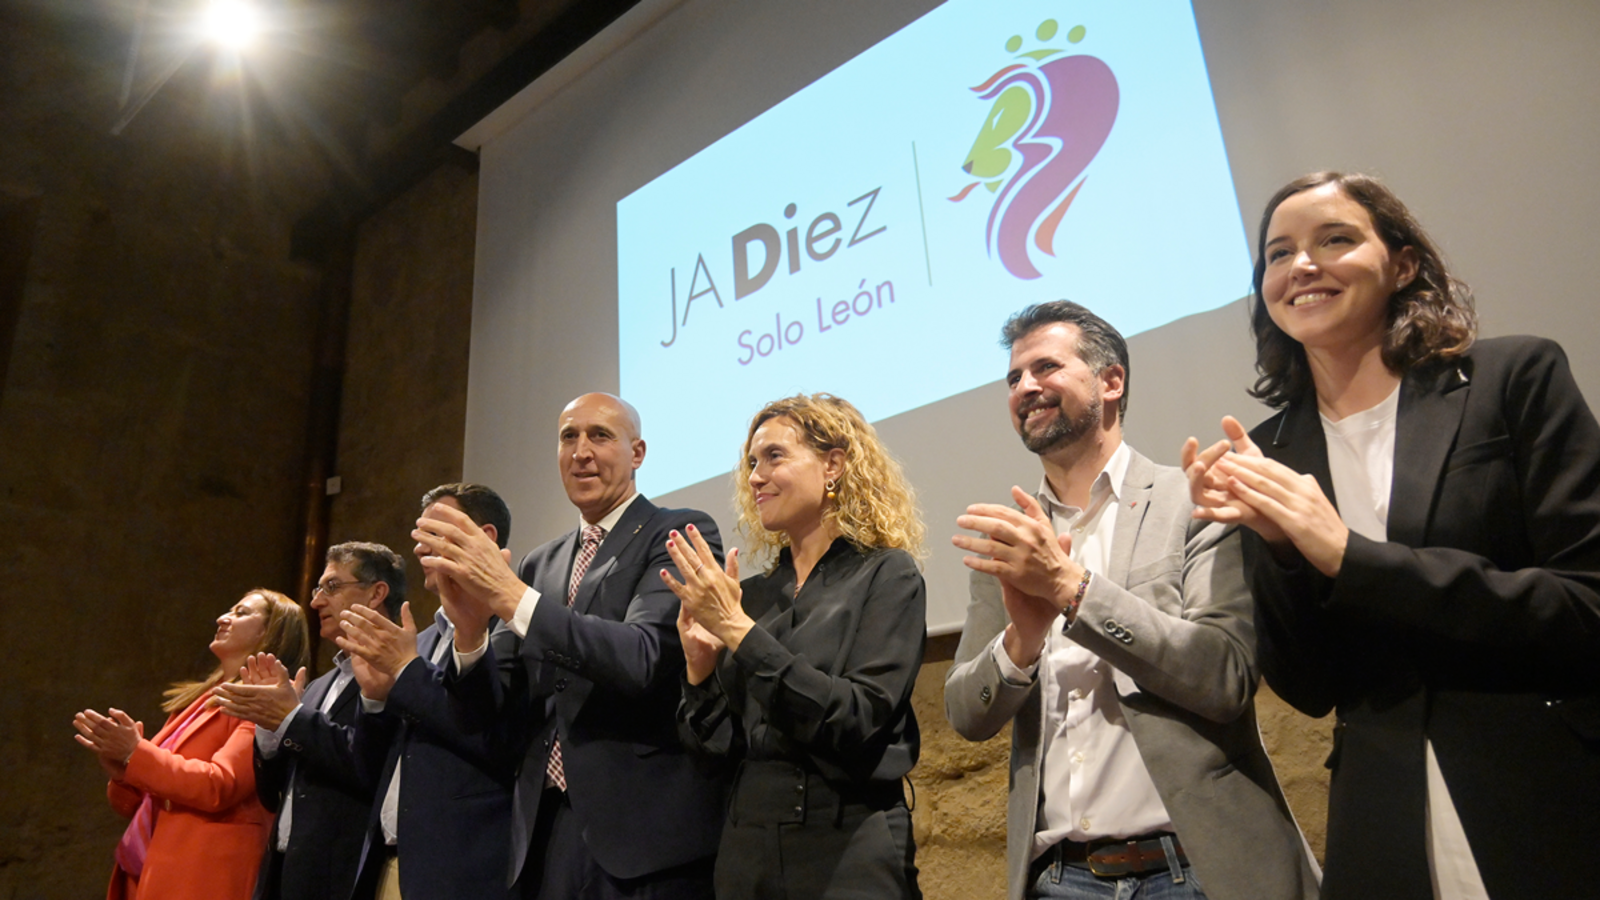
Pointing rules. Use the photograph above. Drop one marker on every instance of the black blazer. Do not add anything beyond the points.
(1476, 624)
(603, 674)
(455, 789)
(331, 800)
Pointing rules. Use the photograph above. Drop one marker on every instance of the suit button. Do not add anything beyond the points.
(1111, 626)
(561, 684)
(799, 789)
(985, 694)
(799, 811)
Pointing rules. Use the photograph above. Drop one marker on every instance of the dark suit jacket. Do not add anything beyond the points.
(603, 674)
(331, 799)
(1476, 624)
(455, 789)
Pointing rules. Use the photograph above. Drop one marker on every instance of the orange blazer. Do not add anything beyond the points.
(209, 829)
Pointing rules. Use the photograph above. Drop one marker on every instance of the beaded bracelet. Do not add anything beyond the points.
(1071, 610)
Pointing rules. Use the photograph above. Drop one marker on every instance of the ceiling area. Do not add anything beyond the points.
(366, 94)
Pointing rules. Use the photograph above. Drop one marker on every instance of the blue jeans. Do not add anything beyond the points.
(1063, 882)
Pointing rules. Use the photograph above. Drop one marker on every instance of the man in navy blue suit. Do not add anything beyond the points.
(442, 810)
(609, 805)
(305, 764)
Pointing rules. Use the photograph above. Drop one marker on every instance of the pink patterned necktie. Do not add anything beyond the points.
(554, 773)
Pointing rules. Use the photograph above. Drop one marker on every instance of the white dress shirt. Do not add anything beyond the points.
(268, 742)
(1092, 782)
(389, 812)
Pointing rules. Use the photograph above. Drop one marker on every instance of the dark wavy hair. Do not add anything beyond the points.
(1100, 345)
(1430, 318)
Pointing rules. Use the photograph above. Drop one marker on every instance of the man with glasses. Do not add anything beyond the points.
(305, 760)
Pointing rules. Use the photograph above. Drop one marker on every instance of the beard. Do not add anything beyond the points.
(1062, 430)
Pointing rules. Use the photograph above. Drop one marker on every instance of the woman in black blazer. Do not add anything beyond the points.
(802, 675)
(1448, 608)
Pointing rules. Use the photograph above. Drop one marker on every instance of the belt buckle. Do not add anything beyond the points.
(1112, 870)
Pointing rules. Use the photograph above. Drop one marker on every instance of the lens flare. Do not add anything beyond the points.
(231, 23)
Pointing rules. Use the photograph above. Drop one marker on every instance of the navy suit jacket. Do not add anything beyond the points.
(455, 788)
(316, 760)
(604, 675)
(1476, 624)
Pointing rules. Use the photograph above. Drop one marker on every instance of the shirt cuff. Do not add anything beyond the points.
(1010, 671)
(267, 741)
(465, 661)
(369, 705)
(519, 622)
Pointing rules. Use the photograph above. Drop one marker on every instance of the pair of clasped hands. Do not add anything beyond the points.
(378, 648)
(1233, 482)
(468, 569)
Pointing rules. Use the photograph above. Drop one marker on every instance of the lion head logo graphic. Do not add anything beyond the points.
(1049, 115)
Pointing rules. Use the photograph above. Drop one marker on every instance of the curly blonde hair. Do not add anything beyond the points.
(874, 506)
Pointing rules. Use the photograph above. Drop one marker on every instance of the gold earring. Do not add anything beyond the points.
(830, 486)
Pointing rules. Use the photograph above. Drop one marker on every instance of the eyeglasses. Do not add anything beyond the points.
(334, 587)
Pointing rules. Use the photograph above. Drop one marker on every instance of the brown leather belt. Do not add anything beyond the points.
(1118, 857)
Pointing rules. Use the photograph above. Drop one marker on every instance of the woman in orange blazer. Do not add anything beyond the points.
(197, 829)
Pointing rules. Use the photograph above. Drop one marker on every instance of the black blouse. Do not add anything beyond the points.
(824, 678)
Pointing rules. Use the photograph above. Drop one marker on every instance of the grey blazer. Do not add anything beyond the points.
(1174, 619)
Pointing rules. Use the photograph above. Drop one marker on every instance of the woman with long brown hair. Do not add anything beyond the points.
(197, 829)
(1424, 549)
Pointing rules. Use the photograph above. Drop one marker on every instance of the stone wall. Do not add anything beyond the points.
(404, 409)
(151, 425)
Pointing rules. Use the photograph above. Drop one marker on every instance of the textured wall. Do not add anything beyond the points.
(151, 427)
(405, 390)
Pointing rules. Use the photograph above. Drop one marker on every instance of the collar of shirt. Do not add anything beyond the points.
(347, 672)
(341, 661)
(609, 522)
(1107, 486)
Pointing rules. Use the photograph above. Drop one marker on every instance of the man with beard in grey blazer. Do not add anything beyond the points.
(1115, 631)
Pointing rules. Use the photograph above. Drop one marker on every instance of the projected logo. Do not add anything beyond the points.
(1049, 116)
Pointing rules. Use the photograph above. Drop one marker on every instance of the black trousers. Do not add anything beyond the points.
(561, 867)
(793, 835)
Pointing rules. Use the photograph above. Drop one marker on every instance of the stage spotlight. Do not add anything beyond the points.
(231, 23)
